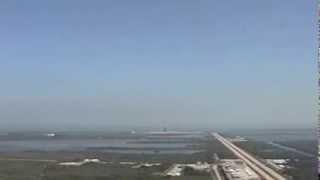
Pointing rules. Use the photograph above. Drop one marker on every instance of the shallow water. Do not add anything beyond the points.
(101, 145)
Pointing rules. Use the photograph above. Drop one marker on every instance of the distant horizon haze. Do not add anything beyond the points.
(177, 64)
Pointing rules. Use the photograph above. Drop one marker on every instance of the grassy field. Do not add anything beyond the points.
(303, 168)
(14, 170)
(18, 170)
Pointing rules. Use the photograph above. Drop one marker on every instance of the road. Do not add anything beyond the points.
(264, 171)
(214, 169)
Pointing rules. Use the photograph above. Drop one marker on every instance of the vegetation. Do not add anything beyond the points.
(302, 167)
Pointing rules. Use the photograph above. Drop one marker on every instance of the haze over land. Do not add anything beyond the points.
(180, 64)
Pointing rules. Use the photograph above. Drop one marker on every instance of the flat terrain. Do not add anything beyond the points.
(303, 168)
(16, 166)
(16, 170)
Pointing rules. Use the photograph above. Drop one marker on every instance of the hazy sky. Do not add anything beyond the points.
(142, 63)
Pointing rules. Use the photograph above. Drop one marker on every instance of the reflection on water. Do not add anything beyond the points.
(276, 135)
(141, 145)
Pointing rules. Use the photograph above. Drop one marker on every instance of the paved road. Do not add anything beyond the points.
(264, 171)
(216, 172)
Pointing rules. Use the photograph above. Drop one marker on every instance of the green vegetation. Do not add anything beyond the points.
(266, 151)
(98, 171)
(214, 146)
(18, 170)
(307, 146)
(303, 168)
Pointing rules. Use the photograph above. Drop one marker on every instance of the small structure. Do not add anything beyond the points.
(80, 163)
(174, 170)
(50, 134)
(199, 166)
(177, 169)
(238, 139)
(146, 165)
(278, 164)
(236, 169)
